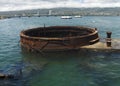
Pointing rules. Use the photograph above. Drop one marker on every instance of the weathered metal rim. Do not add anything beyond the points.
(93, 31)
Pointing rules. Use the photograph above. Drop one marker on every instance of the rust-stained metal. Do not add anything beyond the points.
(58, 38)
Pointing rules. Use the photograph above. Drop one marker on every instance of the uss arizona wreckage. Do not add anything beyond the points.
(55, 38)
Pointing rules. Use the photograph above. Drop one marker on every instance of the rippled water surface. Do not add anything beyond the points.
(73, 68)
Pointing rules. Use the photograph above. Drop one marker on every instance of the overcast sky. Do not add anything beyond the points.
(9, 5)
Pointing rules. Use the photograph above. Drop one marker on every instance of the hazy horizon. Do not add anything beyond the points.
(13, 5)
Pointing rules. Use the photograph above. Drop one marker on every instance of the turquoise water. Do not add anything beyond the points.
(73, 68)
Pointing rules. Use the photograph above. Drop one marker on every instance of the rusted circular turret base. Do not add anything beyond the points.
(58, 38)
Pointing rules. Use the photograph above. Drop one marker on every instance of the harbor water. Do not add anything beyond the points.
(68, 68)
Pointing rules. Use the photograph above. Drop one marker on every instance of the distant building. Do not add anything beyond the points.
(23, 14)
(50, 12)
(1, 17)
(36, 14)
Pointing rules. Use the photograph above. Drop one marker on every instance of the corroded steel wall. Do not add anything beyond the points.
(32, 42)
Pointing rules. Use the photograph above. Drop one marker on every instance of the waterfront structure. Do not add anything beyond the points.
(56, 38)
(50, 12)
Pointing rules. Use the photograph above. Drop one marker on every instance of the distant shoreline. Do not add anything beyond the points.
(63, 12)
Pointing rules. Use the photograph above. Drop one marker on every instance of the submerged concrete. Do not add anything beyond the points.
(102, 45)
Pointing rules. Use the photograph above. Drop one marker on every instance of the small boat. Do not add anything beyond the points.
(66, 17)
(78, 16)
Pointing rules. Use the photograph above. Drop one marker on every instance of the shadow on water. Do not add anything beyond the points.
(80, 68)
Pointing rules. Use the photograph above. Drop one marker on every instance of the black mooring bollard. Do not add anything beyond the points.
(108, 42)
(108, 39)
(108, 34)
